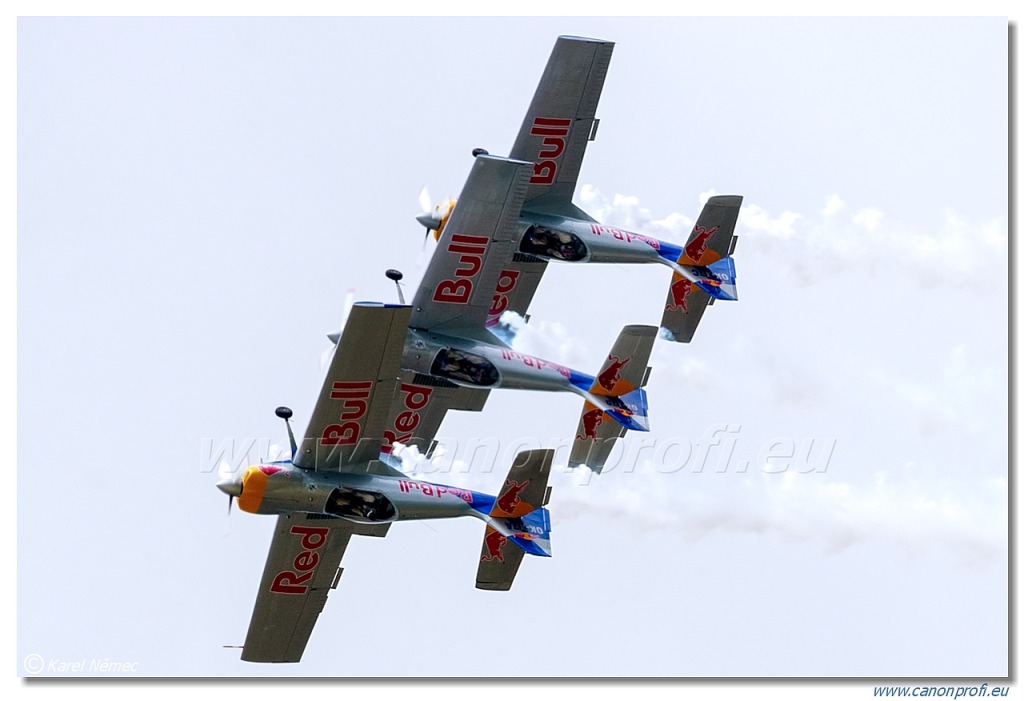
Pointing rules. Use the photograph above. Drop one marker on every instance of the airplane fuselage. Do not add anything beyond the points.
(570, 240)
(473, 363)
(283, 488)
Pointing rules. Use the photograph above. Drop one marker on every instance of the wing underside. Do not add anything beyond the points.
(457, 290)
(516, 286)
(420, 406)
(560, 122)
(350, 416)
(303, 566)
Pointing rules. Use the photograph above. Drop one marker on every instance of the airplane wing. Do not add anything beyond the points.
(457, 290)
(561, 121)
(420, 406)
(517, 284)
(302, 568)
(351, 412)
(554, 138)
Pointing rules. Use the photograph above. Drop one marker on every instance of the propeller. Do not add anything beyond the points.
(230, 483)
(434, 217)
(426, 204)
(335, 336)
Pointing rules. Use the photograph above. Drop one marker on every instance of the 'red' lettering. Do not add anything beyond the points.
(305, 561)
(499, 303)
(416, 397)
(289, 582)
(407, 421)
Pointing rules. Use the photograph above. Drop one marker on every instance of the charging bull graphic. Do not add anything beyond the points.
(696, 248)
(509, 500)
(494, 542)
(680, 289)
(591, 420)
(610, 375)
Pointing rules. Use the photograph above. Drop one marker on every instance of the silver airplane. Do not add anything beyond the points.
(449, 342)
(335, 487)
(548, 226)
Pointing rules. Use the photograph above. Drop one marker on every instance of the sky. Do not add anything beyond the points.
(823, 493)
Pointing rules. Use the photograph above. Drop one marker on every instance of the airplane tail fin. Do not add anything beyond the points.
(705, 270)
(518, 523)
(616, 393)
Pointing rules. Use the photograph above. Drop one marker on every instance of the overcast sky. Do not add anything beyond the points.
(824, 488)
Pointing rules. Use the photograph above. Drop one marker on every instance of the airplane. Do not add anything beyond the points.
(553, 138)
(335, 487)
(452, 359)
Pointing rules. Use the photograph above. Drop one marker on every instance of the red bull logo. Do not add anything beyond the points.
(470, 251)
(296, 580)
(698, 244)
(531, 362)
(434, 490)
(622, 235)
(354, 398)
(554, 132)
(499, 303)
(493, 543)
(610, 375)
(415, 398)
(679, 290)
(510, 499)
(591, 420)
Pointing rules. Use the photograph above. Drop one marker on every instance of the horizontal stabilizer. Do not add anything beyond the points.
(711, 238)
(594, 452)
(705, 270)
(525, 485)
(499, 562)
(517, 523)
(616, 401)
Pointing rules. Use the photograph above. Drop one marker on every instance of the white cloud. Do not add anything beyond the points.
(910, 508)
(753, 218)
(624, 211)
(868, 218)
(873, 394)
(415, 464)
(550, 340)
(833, 206)
(830, 240)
